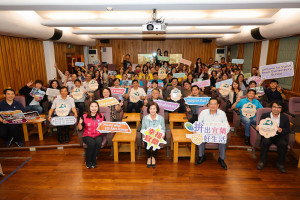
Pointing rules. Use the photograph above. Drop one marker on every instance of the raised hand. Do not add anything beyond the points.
(30, 83)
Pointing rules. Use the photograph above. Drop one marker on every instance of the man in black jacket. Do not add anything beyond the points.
(33, 103)
(280, 139)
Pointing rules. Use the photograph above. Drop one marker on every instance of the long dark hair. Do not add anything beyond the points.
(244, 82)
(50, 85)
(89, 114)
(237, 82)
(106, 88)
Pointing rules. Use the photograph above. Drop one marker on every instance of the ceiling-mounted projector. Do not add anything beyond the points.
(155, 26)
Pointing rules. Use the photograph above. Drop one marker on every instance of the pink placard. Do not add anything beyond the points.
(202, 83)
(117, 90)
(186, 62)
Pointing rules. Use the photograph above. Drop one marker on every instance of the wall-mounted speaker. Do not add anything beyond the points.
(104, 41)
(57, 34)
(255, 33)
(207, 40)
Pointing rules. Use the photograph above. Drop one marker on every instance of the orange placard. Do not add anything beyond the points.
(106, 127)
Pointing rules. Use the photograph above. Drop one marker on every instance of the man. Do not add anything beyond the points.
(280, 139)
(155, 77)
(33, 103)
(136, 96)
(154, 96)
(167, 81)
(71, 84)
(247, 121)
(254, 71)
(213, 114)
(274, 92)
(125, 61)
(216, 65)
(193, 109)
(223, 63)
(130, 71)
(210, 63)
(174, 84)
(10, 132)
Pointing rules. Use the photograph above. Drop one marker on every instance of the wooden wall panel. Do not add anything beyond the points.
(21, 60)
(296, 84)
(191, 49)
(241, 51)
(273, 51)
(61, 50)
(256, 54)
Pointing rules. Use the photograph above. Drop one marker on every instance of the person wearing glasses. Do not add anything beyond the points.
(280, 139)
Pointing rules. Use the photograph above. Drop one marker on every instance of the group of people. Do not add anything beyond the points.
(143, 86)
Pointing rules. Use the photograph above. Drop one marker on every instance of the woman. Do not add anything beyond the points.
(153, 120)
(242, 82)
(98, 78)
(91, 137)
(198, 66)
(154, 85)
(136, 77)
(91, 71)
(213, 78)
(121, 72)
(117, 84)
(63, 98)
(145, 70)
(115, 109)
(235, 92)
(54, 84)
(80, 76)
(79, 102)
(190, 78)
(186, 91)
(105, 77)
(158, 53)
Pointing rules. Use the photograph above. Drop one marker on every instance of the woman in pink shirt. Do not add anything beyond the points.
(91, 137)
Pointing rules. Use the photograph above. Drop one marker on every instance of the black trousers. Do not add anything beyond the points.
(80, 106)
(148, 152)
(193, 118)
(137, 107)
(59, 130)
(94, 145)
(282, 145)
(10, 130)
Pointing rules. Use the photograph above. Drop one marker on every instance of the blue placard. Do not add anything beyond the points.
(178, 75)
(229, 81)
(199, 101)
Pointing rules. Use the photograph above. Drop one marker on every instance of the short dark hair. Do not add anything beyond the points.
(155, 73)
(174, 79)
(255, 67)
(115, 79)
(63, 87)
(77, 80)
(252, 82)
(8, 89)
(273, 81)
(251, 90)
(153, 104)
(195, 86)
(39, 81)
(186, 82)
(156, 89)
(170, 74)
(277, 102)
(213, 98)
(75, 75)
(135, 81)
(154, 81)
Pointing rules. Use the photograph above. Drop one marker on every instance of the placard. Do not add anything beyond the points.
(202, 83)
(257, 79)
(259, 90)
(178, 75)
(175, 94)
(32, 116)
(117, 90)
(249, 110)
(127, 82)
(52, 92)
(185, 62)
(13, 116)
(77, 93)
(96, 62)
(199, 101)
(237, 61)
(63, 121)
(107, 127)
(279, 70)
(161, 73)
(112, 73)
(211, 132)
(62, 109)
(110, 101)
(247, 75)
(93, 85)
(224, 89)
(37, 93)
(80, 64)
(229, 81)
(160, 84)
(163, 58)
(169, 106)
(153, 137)
(268, 127)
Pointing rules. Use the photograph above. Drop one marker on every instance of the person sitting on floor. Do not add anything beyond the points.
(10, 132)
(280, 139)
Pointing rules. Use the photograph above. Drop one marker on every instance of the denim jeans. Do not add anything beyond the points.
(247, 123)
(37, 108)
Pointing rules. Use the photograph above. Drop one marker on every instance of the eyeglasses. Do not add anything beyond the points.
(276, 107)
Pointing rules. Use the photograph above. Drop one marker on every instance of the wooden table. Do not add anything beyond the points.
(177, 117)
(296, 152)
(124, 137)
(179, 136)
(40, 129)
(132, 117)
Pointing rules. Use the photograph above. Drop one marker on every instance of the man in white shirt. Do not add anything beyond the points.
(136, 96)
(213, 114)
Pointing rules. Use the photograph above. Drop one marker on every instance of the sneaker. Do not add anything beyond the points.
(20, 144)
(8, 142)
(88, 165)
(94, 165)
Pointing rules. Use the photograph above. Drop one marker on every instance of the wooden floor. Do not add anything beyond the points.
(61, 174)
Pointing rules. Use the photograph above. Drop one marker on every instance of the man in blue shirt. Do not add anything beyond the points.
(248, 121)
(10, 132)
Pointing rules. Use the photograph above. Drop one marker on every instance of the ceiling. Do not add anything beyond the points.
(124, 19)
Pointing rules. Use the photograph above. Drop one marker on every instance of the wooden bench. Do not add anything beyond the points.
(177, 117)
(179, 136)
(124, 138)
(39, 126)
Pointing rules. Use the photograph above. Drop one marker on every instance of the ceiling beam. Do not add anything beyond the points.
(145, 4)
(170, 22)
